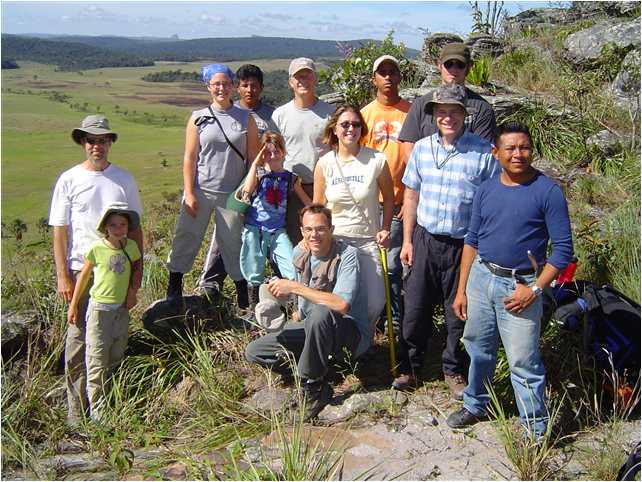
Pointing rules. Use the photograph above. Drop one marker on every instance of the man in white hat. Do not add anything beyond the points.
(301, 122)
(79, 199)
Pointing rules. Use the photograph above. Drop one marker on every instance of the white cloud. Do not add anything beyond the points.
(211, 19)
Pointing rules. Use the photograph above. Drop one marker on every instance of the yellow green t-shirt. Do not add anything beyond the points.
(112, 271)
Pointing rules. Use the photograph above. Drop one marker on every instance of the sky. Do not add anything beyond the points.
(199, 19)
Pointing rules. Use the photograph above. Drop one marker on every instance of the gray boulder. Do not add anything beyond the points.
(539, 17)
(626, 86)
(482, 44)
(433, 44)
(15, 328)
(585, 47)
(605, 141)
(613, 9)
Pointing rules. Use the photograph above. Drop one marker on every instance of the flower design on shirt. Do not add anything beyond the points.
(117, 263)
(385, 131)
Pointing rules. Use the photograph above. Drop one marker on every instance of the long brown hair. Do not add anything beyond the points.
(271, 137)
(329, 137)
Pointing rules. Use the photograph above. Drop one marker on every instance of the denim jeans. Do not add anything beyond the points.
(488, 320)
(258, 246)
(395, 269)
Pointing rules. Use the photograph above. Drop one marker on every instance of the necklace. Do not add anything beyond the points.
(449, 154)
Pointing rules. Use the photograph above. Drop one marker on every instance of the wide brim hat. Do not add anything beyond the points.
(122, 209)
(448, 94)
(93, 124)
(269, 311)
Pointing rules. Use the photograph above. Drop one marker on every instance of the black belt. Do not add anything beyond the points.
(507, 272)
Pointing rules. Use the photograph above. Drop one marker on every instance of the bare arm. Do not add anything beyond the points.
(319, 186)
(60, 247)
(137, 273)
(250, 180)
(410, 202)
(81, 286)
(303, 196)
(137, 277)
(384, 182)
(460, 304)
(284, 287)
(189, 166)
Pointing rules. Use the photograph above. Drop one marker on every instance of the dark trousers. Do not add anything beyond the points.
(292, 226)
(433, 280)
(322, 334)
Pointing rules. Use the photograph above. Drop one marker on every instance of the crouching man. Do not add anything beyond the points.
(332, 310)
(499, 292)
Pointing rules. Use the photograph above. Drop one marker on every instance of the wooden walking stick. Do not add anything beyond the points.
(391, 333)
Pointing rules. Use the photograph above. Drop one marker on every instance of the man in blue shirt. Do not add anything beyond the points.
(443, 173)
(332, 307)
(499, 292)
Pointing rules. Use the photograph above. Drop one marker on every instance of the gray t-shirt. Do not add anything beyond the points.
(219, 168)
(262, 114)
(419, 123)
(350, 287)
(302, 130)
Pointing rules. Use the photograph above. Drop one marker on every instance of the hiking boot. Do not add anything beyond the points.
(241, 294)
(463, 418)
(316, 396)
(175, 287)
(211, 293)
(404, 382)
(456, 384)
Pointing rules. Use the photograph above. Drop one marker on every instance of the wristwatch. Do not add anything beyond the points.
(537, 290)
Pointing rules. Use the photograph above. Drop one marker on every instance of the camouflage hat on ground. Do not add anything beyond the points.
(455, 51)
(97, 125)
(448, 94)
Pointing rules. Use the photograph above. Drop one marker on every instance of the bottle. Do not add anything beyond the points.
(566, 276)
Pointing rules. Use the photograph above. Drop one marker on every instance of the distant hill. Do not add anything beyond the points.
(149, 49)
(66, 55)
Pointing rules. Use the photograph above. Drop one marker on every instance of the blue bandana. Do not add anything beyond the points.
(208, 71)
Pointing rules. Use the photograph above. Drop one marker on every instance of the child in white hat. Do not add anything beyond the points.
(112, 260)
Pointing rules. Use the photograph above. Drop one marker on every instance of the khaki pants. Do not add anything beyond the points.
(75, 370)
(190, 232)
(107, 333)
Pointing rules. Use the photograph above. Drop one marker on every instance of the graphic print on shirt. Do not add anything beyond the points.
(273, 194)
(117, 263)
(385, 131)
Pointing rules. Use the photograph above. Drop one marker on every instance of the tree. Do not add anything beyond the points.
(43, 227)
(353, 77)
(18, 227)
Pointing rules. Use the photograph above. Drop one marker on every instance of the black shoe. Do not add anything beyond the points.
(175, 286)
(211, 293)
(241, 294)
(316, 396)
(463, 418)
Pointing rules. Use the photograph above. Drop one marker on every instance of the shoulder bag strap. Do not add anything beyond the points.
(234, 148)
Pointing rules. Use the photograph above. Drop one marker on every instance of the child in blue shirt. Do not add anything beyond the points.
(268, 185)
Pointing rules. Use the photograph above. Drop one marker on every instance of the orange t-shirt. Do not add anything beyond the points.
(384, 125)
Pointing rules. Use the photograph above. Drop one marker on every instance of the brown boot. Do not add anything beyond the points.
(456, 383)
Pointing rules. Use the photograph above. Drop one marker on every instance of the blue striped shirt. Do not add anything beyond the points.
(447, 180)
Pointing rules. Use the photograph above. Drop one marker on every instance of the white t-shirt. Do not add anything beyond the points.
(78, 201)
(302, 130)
(361, 175)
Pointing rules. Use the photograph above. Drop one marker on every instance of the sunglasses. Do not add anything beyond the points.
(97, 140)
(347, 124)
(449, 64)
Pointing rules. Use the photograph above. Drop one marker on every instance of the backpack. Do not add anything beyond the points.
(631, 467)
(610, 324)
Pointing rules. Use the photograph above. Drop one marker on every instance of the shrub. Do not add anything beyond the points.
(480, 71)
(353, 77)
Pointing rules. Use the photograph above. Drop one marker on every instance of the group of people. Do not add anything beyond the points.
(446, 192)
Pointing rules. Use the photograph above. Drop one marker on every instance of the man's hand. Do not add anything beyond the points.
(460, 306)
(281, 288)
(521, 298)
(131, 300)
(65, 286)
(72, 314)
(406, 254)
(383, 238)
(191, 204)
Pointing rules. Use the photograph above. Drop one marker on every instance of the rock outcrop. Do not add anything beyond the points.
(626, 86)
(585, 47)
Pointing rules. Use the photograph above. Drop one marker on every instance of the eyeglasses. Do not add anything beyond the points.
(347, 124)
(224, 85)
(449, 64)
(97, 140)
(315, 229)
